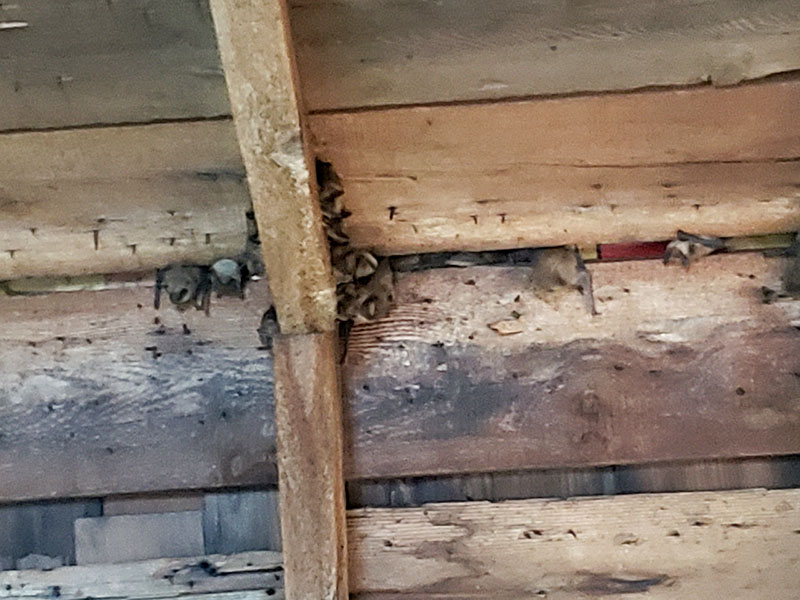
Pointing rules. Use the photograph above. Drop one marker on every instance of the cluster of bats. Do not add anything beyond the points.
(365, 283)
(192, 286)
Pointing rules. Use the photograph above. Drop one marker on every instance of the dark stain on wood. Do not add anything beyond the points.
(607, 585)
(201, 415)
(75, 413)
(571, 405)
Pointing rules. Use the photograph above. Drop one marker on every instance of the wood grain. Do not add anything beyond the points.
(259, 71)
(43, 529)
(355, 53)
(692, 545)
(685, 476)
(665, 546)
(311, 484)
(631, 167)
(120, 199)
(241, 521)
(245, 576)
(90, 62)
(678, 365)
(100, 394)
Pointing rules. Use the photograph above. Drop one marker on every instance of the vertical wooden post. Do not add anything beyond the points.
(259, 69)
(309, 432)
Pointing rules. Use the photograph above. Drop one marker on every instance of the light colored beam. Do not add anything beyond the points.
(259, 73)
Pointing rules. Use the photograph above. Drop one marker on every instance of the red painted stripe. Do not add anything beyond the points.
(631, 251)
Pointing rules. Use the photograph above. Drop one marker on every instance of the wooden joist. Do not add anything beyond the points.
(357, 53)
(736, 545)
(308, 422)
(257, 53)
(589, 169)
(115, 199)
(89, 62)
(280, 169)
(678, 365)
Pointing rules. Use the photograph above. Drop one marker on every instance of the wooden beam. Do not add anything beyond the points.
(259, 66)
(259, 73)
(92, 62)
(356, 53)
(664, 546)
(245, 576)
(309, 431)
(678, 365)
(628, 167)
(117, 199)
(145, 61)
(101, 394)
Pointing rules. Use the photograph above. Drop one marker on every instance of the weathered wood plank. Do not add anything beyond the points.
(356, 53)
(259, 70)
(246, 576)
(120, 198)
(101, 394)
(770, 472)
(667, 546)
(309, 430)
(81, 62)
(678, 365)
(686, 476)
(241, 521)
(43, 529)
(591, 169)
(692, 545)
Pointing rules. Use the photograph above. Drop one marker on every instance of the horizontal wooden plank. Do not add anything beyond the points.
(665, 546)
(686, 476)
(630, 167)
(678, 365)
(246, 576)
(100, 394)
(119, 199)
(80, 62)
(693, 545)
(375, 52)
